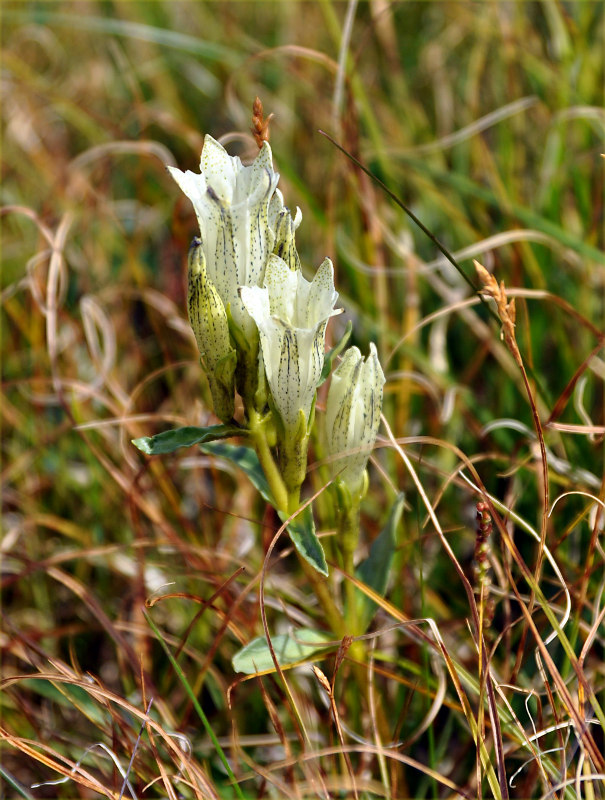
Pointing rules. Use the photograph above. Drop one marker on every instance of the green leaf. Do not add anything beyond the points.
(169, 441)
(302, 533)
(289, 648)
(302, 529)
(335, 351)
(246, 459)
(374, 571)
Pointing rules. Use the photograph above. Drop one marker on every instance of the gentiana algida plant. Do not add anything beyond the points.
(260, 327)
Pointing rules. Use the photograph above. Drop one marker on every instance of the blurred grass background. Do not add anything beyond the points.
(486, 119)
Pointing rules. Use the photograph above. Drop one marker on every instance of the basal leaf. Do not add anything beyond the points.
(289, 648)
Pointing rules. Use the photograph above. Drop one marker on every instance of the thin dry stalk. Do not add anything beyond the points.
(329, 690)
(507, 313)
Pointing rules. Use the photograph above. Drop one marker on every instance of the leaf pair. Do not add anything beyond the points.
(301, 530)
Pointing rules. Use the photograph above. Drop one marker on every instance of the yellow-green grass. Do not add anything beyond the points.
(486, 120)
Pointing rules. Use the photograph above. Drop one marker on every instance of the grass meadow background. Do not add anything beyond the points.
(486, 119)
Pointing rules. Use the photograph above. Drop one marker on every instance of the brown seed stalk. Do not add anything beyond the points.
(260, 125)
(506, 310)
(481, 564)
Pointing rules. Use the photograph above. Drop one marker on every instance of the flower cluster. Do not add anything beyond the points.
(260, 325)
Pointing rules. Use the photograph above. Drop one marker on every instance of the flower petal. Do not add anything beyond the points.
(256, 302)
(282, 285)
(318, 301)
(220, 169)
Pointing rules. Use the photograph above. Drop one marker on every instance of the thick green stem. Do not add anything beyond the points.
(288, 502)
(272, 473)
(348, 538)
(322, 592)
(293, 500)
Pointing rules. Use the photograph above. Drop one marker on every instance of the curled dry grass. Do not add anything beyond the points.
(485, 120)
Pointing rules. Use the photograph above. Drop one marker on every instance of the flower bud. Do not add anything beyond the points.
(285, 246)
(208, 320)
(353, 412)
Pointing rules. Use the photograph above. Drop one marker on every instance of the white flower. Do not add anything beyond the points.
(238, 209)
(353, 415)
(292, 314)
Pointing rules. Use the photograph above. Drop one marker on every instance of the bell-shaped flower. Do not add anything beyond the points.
(208, 320)
(291, 314)
(237, 208)
(353, 415)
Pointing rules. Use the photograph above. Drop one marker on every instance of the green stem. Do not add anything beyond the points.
(322, 592)
(348, 536)
(272, 473)
(288, 502)
(293, 500)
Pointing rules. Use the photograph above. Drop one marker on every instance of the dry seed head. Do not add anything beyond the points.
(322, 679)
(506, 309)
(260, 125)
(482, 545)
(346, 642)
(481, 563)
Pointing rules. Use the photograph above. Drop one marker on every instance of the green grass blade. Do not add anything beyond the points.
(200, 712)
(133, 30)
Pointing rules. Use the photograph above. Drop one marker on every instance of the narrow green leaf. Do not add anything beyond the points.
(212, 51)
(14, 783)
(68, 696)
(200, 712)
(374, 571)
(169, 441)
(302, 533)
(289, 648)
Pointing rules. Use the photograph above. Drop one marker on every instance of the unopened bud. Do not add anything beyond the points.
(285, 245)
(353, 416)
(208, 320)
